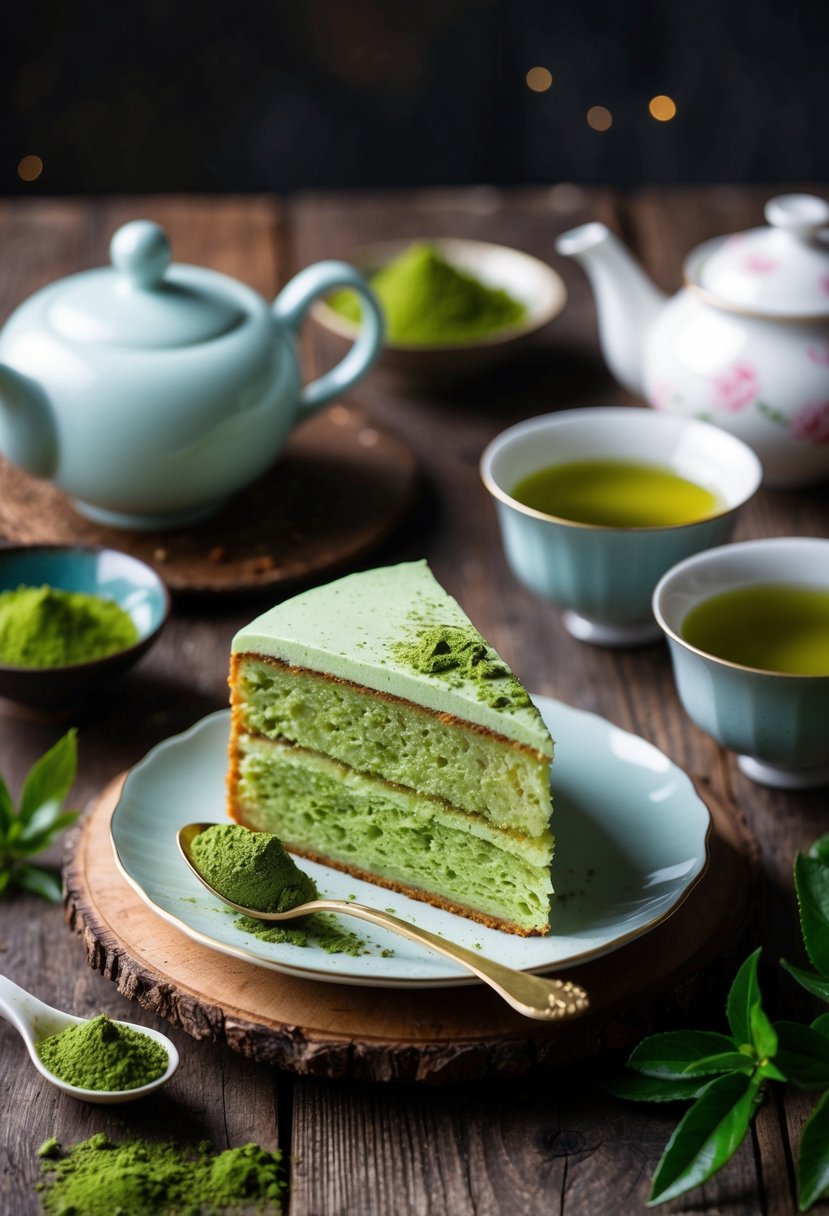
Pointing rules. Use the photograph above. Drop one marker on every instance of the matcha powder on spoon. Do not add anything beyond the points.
(103, 1055)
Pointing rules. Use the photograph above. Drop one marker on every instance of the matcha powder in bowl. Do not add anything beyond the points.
(49, 627)
(427, 301)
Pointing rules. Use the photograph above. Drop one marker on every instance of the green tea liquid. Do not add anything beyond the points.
(616, 494)
(770, 627)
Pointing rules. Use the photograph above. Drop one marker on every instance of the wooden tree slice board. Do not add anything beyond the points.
(449, 1034)
(337, 490)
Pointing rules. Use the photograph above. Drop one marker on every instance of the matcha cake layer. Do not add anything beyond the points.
(470, 767)
(379, 689)
(394, 836)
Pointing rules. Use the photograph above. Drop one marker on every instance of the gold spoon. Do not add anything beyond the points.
(549, 1000)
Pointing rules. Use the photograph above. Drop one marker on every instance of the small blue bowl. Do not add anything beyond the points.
(134, 586)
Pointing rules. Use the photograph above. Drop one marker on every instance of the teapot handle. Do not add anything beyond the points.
(293, 302)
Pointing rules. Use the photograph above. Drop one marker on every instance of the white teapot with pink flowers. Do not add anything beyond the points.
(745, 343)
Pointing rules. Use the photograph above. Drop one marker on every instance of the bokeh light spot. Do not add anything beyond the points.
(30, 168)
(539, 79)
(662, 108)
(599, 118)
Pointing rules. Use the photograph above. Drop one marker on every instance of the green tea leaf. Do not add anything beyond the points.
(813, 1160)
(38, 882)
(763, 1035)
(821, 1024)
(726, 1061)
(34, 842)
(770, 1072)
(708, 1136)
(803, 1055)
(820, 850)
(6, 808)
(744, 994)
(808, 979)
(674, 1053)
(50, 778)
(812, 883)
(638, 1088)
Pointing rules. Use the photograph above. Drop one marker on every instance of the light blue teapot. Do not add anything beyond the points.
(150, 393)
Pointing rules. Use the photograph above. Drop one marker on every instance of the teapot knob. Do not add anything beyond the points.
(803, 215)
(141, 251)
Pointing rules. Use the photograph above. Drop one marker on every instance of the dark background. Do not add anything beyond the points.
(291, 94)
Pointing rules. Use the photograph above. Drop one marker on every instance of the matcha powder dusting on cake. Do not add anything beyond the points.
(428, 301)
(459, 652)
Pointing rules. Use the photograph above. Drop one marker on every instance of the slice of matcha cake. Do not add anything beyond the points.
(374, 730)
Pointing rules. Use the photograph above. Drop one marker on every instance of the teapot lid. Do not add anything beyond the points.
(141, 301)
(781, 270)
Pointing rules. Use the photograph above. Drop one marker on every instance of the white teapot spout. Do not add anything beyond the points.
(627, 302)
(27, 428)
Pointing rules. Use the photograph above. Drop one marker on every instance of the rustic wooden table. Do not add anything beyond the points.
(540, 1143)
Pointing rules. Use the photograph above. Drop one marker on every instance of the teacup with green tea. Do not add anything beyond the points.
(594, 505)
(748, 630)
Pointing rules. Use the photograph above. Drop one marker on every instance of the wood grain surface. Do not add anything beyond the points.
(539, 1143)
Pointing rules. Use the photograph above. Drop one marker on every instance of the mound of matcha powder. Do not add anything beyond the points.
(48, 627)
(139, 1178)
(102, 1054)
(458, 653)
(251, 868)
(427, 301)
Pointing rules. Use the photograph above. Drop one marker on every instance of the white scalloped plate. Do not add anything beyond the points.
(631, 842)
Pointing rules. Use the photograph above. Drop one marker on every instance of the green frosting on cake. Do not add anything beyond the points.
(367, 627)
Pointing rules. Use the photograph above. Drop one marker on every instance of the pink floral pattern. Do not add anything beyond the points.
(824, 284)
(811, 423)
(819, 354)
(661, 395)
(736, 388)
(758, 263)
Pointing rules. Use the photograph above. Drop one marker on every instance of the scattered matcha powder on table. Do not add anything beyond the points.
(140, 1178)
(428, 302)
(458, 653)
(48, 627)
(103, 1055)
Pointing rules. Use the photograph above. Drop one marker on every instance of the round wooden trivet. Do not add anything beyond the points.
(336, 491)
(447, 1034)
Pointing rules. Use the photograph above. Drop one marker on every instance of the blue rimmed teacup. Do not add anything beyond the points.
(602, 576)
(776, 722)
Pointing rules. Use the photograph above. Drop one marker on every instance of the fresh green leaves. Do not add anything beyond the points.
(29, 830)
(709, 1135)
(725, 1074)
(813, 1162)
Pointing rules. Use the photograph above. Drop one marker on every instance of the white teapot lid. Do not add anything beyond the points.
(140, 301)
(781, 270)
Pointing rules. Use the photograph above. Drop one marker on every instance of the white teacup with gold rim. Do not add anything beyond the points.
(651, 488)
(748, 630)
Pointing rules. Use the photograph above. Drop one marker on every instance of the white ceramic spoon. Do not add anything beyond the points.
(35, 1021)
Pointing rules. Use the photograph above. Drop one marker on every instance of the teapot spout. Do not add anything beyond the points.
(27, 429)
(627, 302)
